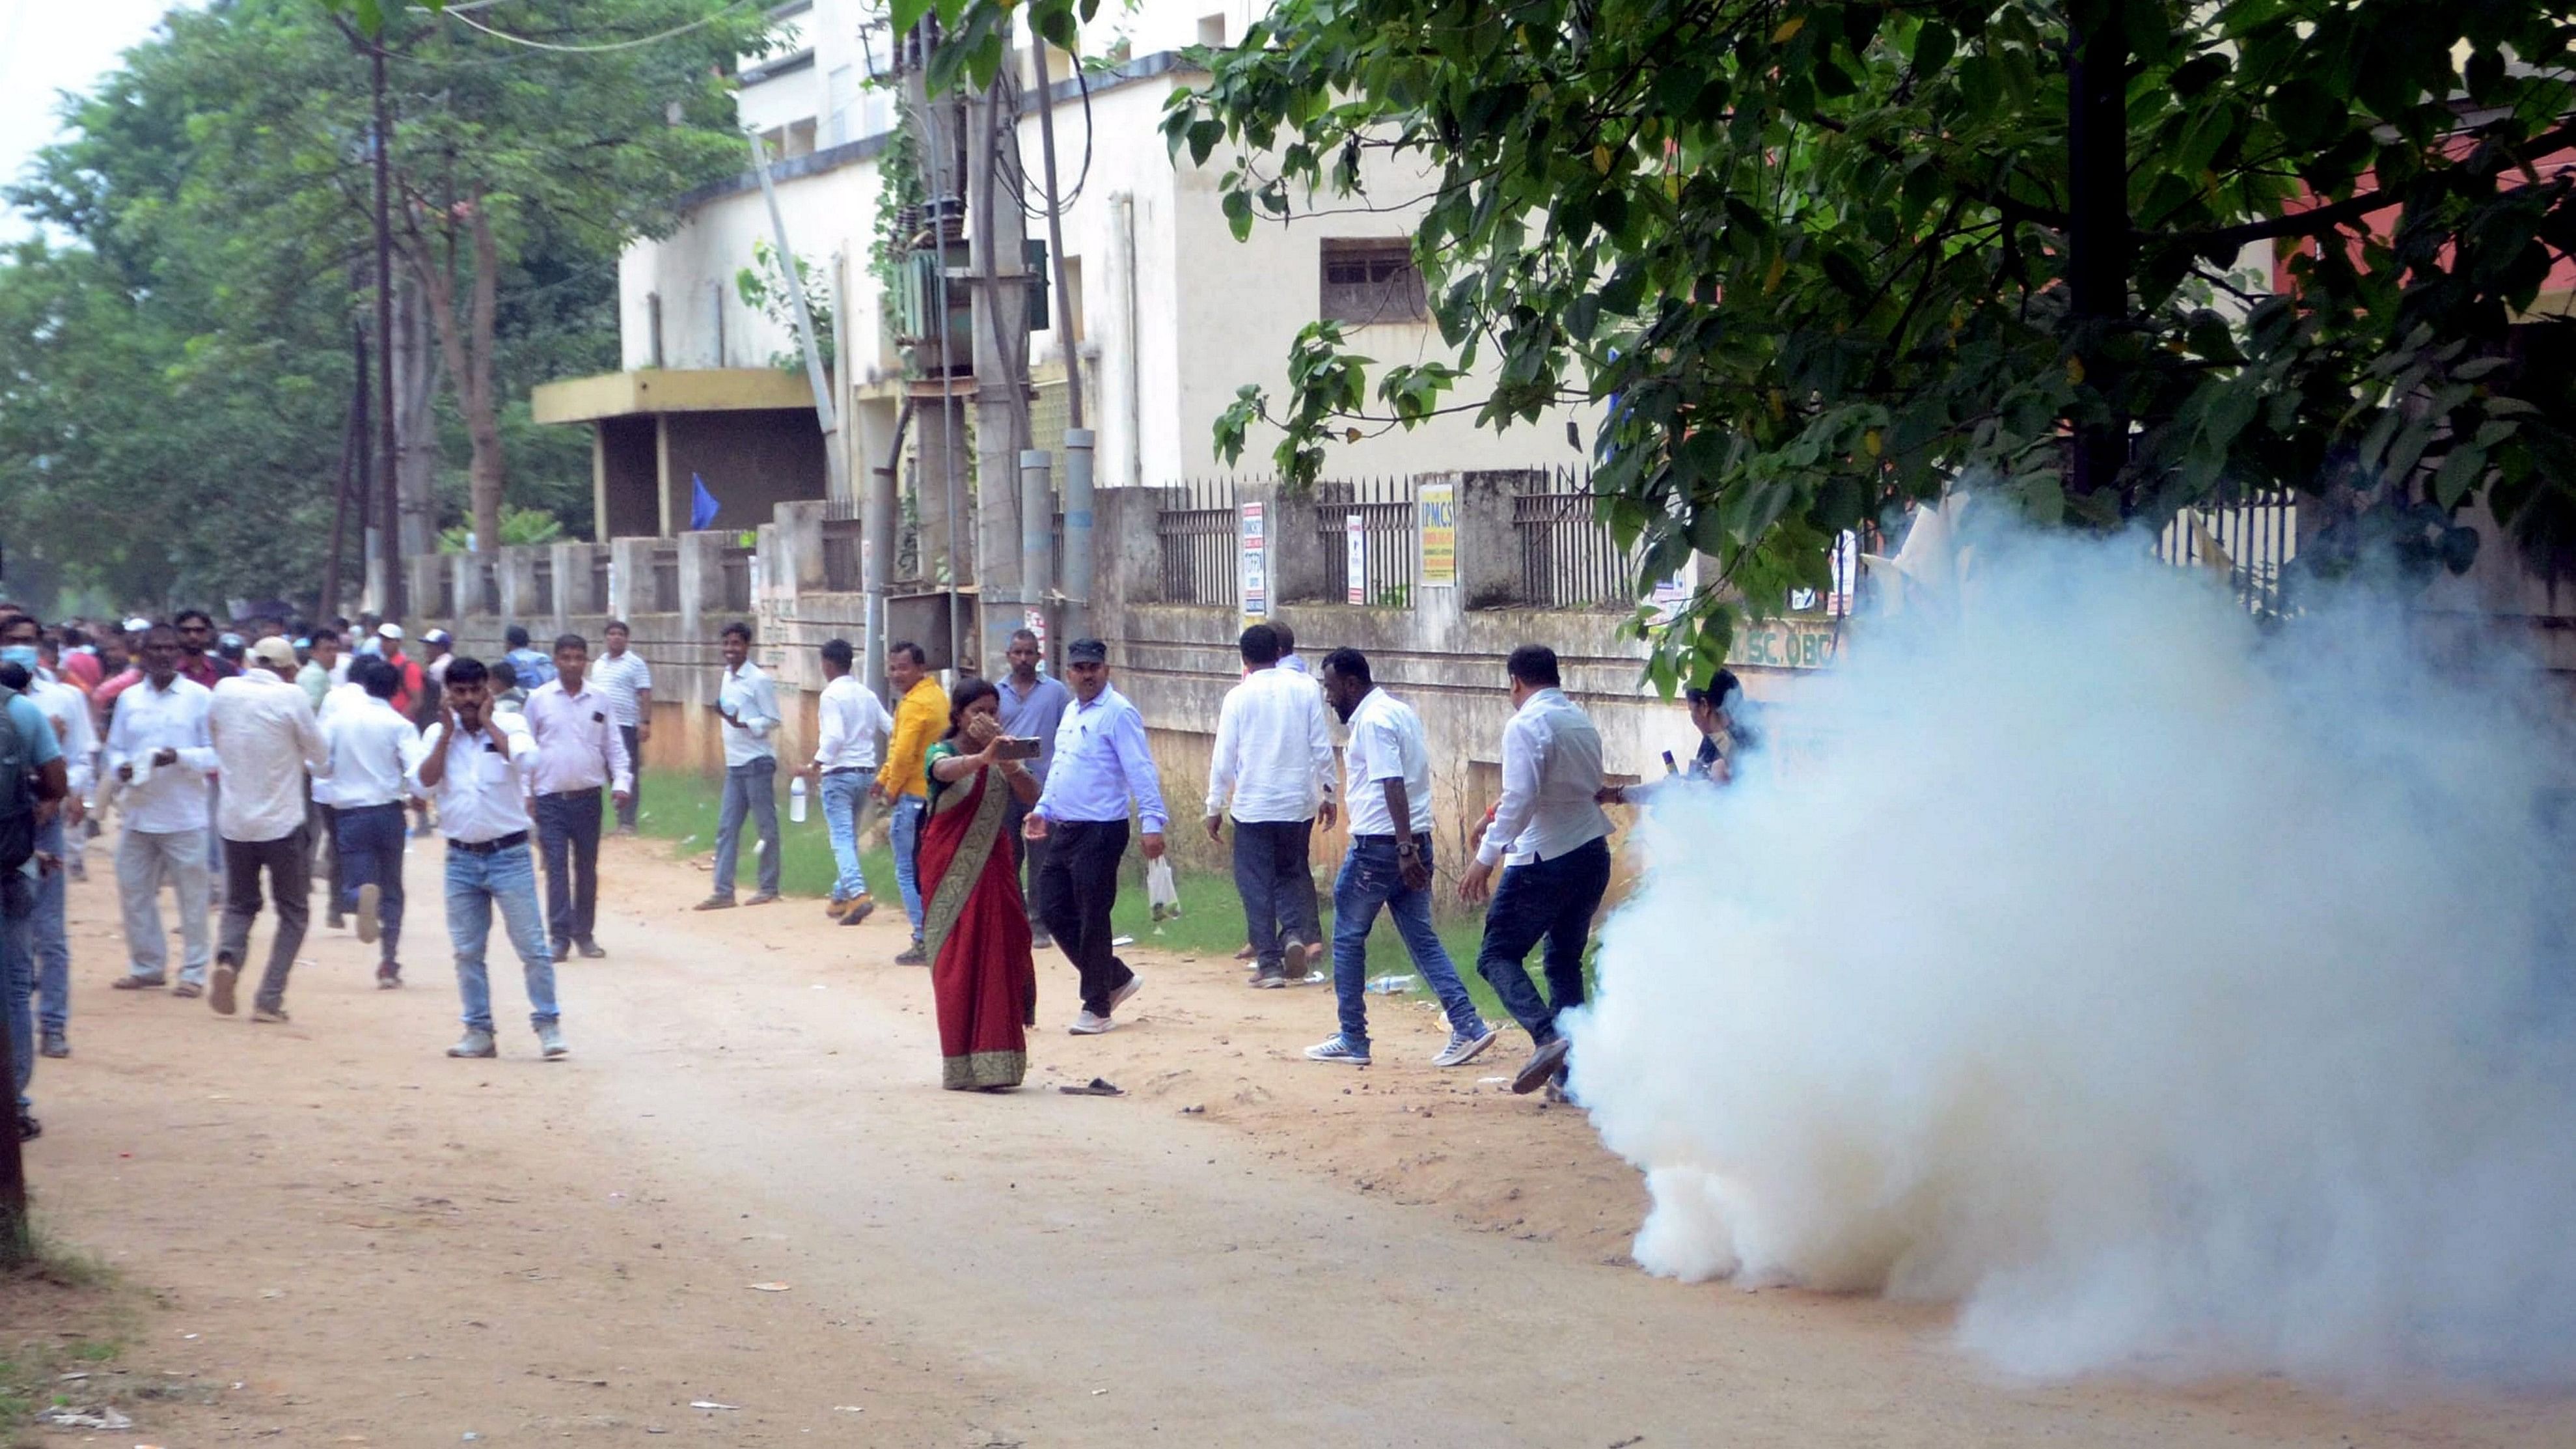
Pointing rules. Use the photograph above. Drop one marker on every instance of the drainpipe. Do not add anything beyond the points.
(1037, 532)
(1124, 235)
(1077, 532)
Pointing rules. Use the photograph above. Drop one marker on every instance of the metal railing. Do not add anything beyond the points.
(1390, 540)
(1200, 542)
(2251, 538)
(1569, 558)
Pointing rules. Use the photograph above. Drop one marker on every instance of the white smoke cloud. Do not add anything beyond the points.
(2167, 995)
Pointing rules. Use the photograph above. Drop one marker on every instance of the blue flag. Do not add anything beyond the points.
(702, 504)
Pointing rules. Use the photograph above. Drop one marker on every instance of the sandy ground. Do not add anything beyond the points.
(349, 1239)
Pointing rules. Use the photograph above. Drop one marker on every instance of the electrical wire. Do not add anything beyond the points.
(699, 24)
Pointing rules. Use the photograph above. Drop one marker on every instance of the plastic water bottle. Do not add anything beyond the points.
(1391, 985)
(796, 800)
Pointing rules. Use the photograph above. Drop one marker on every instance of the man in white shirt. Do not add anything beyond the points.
(852, 720)
(1273, 761)
(622, 675)
(157, 750)
(373, 752)
(748, 705)
(579, 753)
(1553, 841)
(1389, 865)
(475, 764)
(265, 739)
(67, 710)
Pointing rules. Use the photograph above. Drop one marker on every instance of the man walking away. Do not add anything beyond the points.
(534, 669)
(474, 764)
(33, 782)
(748, 705)
(579, 753)
(1552, 839)
(265, 739)
(67, 713)
(373, 754)
(1289, 658)
(1101, 763)
(158, 751)
(1389, 864)
(623, 676)
(903, 781)
(1274, 760)
(852, 721)
(1032, 706)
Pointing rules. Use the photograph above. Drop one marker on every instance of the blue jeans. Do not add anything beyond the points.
(369, 845)
(1370, 878)
(475, 884)
(1550, 899)
(18, 976)
(845, 803)
(53, 942)
(908, 810)
(750, 790)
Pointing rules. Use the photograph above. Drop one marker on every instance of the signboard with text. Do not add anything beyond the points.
(1784, 644)
(1437, 516)
(1253, 571)
(1355, 557)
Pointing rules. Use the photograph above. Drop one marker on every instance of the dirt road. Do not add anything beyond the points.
(355, 1240)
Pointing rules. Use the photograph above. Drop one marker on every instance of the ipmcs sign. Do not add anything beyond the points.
(1784, 644)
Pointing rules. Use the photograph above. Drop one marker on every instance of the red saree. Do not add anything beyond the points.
(977, 928)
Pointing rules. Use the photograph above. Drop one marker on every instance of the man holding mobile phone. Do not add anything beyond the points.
(475, 763)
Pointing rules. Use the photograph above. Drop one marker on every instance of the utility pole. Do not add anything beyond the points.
(2099, 244)
(353, 445)
(942, 505)
(997, 245)
(389, 530)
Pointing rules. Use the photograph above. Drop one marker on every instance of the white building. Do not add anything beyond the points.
(1169, 313)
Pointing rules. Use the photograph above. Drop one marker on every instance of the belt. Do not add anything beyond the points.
(1387, 839)
(578, 790)
(488, 847)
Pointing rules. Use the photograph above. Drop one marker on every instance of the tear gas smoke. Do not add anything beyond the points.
(2164, 993)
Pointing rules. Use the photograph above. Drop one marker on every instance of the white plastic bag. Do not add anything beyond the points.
(1162, 891)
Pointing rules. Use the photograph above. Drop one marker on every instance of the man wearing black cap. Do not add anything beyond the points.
(1101, 764)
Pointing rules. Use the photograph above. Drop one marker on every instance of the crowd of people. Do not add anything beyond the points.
(247, 768)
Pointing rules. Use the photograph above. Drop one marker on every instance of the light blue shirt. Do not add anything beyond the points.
(1100, 762)
(38, 732)
(535, 669)
(1036, 717)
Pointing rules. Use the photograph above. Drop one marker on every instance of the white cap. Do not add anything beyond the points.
(389, 631)
(137, 624)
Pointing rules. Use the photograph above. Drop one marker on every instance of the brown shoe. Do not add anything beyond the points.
(835, 909)
(859, 910)
(714, 903)
(131, 982)
(227, 975)
(1247, 954)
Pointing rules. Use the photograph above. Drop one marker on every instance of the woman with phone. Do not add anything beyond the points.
(975, 921)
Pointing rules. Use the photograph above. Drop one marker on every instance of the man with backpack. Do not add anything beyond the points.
(33, 782)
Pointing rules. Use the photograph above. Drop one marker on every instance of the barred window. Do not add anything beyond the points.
(1372, 279)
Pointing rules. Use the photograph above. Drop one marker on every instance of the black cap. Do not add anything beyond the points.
(1086, 651)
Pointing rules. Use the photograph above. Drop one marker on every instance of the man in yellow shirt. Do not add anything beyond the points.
(920, 718)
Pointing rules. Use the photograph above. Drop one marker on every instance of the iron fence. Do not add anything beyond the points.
(1197, 532)
(1569, 558)
(1390, 540)
(2251, 539)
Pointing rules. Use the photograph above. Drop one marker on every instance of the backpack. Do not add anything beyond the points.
(17, 790)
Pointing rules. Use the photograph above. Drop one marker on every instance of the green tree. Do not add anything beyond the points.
(1828, 257)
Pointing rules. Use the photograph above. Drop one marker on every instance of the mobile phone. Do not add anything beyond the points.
(1015, 747)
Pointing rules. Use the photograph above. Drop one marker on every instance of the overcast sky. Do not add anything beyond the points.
(51, 46)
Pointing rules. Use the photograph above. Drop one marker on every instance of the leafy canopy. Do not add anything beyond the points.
(1810, 260)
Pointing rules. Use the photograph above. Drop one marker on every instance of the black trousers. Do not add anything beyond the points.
(1077, 884)
(568, 836)
(1276, 881)
(1030, 857)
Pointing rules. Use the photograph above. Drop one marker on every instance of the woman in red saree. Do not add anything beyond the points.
(975, 924)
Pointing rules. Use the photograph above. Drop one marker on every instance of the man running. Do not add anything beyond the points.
(265, 740)
(373, 754)
(1552, 840)
(474, 764)
(579, 753)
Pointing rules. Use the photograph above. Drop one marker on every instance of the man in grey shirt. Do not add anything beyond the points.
(1032, 706)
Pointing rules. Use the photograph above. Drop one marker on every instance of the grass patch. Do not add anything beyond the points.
(684, 808)
(62, 1311)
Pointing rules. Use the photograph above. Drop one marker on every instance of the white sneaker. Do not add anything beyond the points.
(1340, 1050)
(1090, 1025)
(550, 1041)
(476, 1043)
(1465, 1047)
(370, 896)
(1124, 994)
